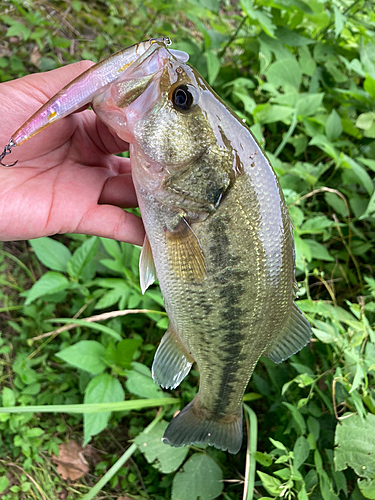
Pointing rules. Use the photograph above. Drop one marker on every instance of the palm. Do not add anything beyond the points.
(67, 178)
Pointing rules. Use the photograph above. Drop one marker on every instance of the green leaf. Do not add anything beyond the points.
(285, 73)
(340, 20)
(163, 457)
(318, 251)
(82, 256)
(270, 483)
(200, 478)
(112, 247)
(51, 253)
(333, 126)
(260, 16)
(355, 445)
(369, 86)
(101, 389)
(48, 284)
(307, 63)
(139, 382)
(365, 120)
(263, 458)
(301, 451)
(367, 488)
(9, 398)
(337, 203)
(360, 172)
(4, 483)
(213, 66)
(370, 210)
(267, 113)
(112, 297)
(308, 104)
(297, 416)
(86, 355)
(18, 29)
(125, 351)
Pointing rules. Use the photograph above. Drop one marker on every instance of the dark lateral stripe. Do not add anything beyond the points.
(229, 281)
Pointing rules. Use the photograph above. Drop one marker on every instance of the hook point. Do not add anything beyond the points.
(7, 151)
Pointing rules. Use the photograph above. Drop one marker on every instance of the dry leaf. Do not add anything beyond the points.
(125, 497)
(35, 56)
(71, 463)
(63, 494)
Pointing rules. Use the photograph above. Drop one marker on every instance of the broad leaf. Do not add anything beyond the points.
(87, 355)
(48, 284)
(51, 253)
(355, 445)
(139, 382)
(333, 126)
(163, 457)
(301, 451)
(200, 477)
(101, 389)
(285, 73)
(81, 257)
(213, 66)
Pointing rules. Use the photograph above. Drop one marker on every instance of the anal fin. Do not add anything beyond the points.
(295, 335)
(172, 362)
(147, 271)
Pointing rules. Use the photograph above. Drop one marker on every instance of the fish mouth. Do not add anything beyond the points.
(148, 68)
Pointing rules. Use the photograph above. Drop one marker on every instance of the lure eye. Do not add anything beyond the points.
(182, 98)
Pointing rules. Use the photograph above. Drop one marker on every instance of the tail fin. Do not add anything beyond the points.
(195, 424)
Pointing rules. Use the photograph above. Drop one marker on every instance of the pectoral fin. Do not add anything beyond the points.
(147, 271)
(172, 362)
(185, 255)
(295, 335)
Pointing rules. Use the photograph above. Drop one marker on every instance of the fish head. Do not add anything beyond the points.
(171, 117)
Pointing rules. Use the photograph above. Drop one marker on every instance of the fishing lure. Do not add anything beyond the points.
(83, 89)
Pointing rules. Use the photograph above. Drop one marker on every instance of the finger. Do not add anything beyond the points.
(119, 190)
(112, 222)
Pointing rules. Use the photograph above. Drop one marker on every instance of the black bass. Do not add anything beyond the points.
(220, 238)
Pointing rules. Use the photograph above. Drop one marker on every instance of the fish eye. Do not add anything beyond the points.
(182, 98)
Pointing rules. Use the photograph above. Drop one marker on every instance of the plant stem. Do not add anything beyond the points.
(133, 404)
(287, 135)
(224, 49)
(120, 462)
(252, 432)
(21, 264)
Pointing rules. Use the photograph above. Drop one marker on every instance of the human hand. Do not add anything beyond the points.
(67, 178)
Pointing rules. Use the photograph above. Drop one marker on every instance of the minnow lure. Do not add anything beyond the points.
(83, 89)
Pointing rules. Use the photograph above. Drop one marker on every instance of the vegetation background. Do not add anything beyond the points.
(301, 74)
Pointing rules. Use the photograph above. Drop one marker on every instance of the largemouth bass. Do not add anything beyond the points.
(219, 235)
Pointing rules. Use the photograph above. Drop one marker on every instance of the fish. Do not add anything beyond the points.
(82, 89)
(218, 238)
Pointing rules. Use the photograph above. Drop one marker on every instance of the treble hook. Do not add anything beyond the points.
(7, 151)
